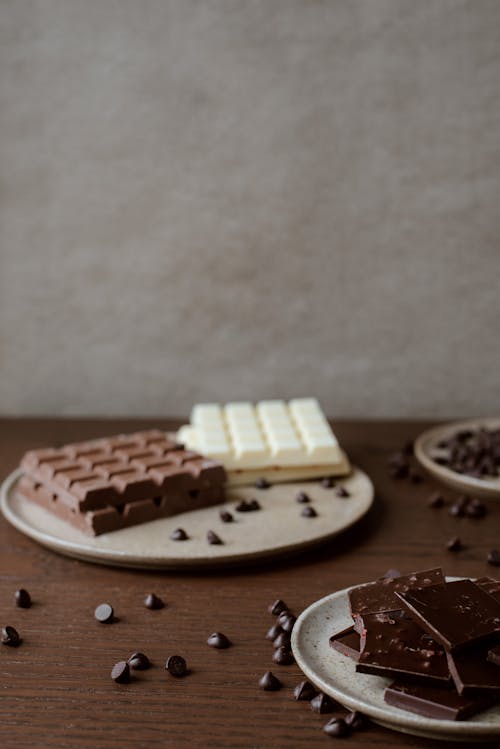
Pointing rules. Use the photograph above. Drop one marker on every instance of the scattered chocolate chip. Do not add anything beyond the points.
(139, 662)
(304, 691)
(23, 599)
(341, 491)
(273, 633)
(494, 558)
(262, 483)
(309, 512)
(286, 621)
(357, 721)
(277, 607)
(415, 477)
(219, 641)
(302, 498)
(176, 665)
(455, 544)
(435, 500)
(121, 672)
(337, 727)
(226, 516)
(282, 640)
(475, 509)
(322, 704)
(283, 656)
(214, 539)
(269, 682)
(152, 601)
(248, 505)
(104, 613)
(179, 535)
(10, 636)
(457, 510)
(328, 482)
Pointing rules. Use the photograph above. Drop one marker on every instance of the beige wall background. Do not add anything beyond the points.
(227, 199)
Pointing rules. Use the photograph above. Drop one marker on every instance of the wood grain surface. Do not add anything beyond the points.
(56, 687)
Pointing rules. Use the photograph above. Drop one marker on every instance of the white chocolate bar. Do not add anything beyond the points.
(273, 438)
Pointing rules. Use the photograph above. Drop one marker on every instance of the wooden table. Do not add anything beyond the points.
(56, 688)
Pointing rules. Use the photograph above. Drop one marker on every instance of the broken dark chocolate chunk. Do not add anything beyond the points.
(439, 703)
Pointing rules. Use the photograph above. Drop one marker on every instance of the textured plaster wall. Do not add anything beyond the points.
(223, 199)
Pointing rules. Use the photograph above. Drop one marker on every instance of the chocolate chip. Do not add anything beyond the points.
(286, 621)
(283, 656)
(328, 482)
(341, 491)
(304, 691)
(176, 665)
(435, 500)
(10, 636)
(357, 721)
(475, 509)
(322, 704)
(494, 558)
(273, 633)
(337, 727)
(457, 510)
(302, 498)
(179, 535)
(282, 640)
(455, 544)
(262, 483)
(23, 599)
(219, 641)
(226, 516)
(309, 512)
(248, 505)
(121, 672)
(214, 539)
(277, 607)
(269, 682)
(152, 601)
(139, 662)
(104, 613)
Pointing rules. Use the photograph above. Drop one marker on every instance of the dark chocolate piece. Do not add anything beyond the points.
(494, 655)
(262, 483)
(342, 492)
(475, 452)
(471, 671)
(152, 601)
(139, 662)
(380, 595)
(176, 666)
(23, 599)
(286, 621)
(248, 505)
(273, 632)
(283, 656)
(337, 728)
(179, 534)
(10, 637)
(309, 512)
(277, 607)
(328, 482)
(357, 721)
(219, 641)
(322, 704)
(475, 509)
(214, 539)
(269, 682)
(391, 644)
(490, 585)
(282, 640)
(493, 558)
(302, 498)
(226, 516)
(457, 615)
(438, 703)
(121, 672)
(305, 691)
(435, 500)
(455, 544)
(347, 643)
(104, 613)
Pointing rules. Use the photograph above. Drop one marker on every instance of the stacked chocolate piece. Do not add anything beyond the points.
(438, 640)
(107, 484)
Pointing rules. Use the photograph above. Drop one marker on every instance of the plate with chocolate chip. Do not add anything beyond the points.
(145, 500)
(417, 653)
(464, 455)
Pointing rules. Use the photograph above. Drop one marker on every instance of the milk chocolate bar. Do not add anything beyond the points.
(438, 703)
(276, 440)
(107, 484)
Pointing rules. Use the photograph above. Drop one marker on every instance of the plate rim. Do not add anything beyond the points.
(119, 558)
(448, 476)
(405, 723)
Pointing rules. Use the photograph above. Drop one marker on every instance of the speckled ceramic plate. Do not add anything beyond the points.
(335, 674)
(277, 529)
(426, 449)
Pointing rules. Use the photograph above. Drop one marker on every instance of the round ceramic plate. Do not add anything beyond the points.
(335, 674)
(426, 449)
(277, 529)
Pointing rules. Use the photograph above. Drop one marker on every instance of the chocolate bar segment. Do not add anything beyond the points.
(347, 643)
(472, 672)
(458, 616)
(438, 703)
(380, 595)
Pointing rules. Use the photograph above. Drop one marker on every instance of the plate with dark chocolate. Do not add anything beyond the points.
(366, 648)
(464, 455)
(142, 500)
